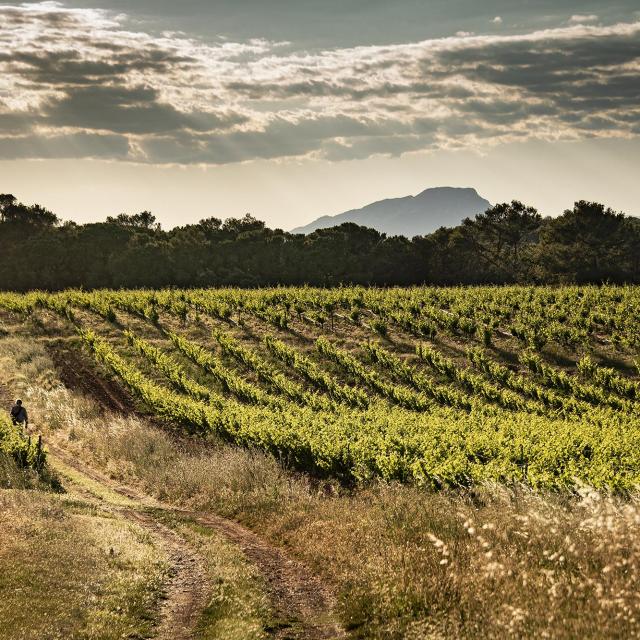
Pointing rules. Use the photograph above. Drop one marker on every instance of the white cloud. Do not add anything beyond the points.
(583, 19)
(175, 99)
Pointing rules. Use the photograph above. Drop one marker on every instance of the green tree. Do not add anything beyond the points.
(588, 243)
(14, 212)
(142, 220)
(502, 237)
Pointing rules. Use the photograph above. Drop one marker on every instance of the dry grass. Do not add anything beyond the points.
(12, 477)
(496, 563)
(492, 563)
(69, 572)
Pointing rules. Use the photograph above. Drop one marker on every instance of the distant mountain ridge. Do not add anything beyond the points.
(411, 215)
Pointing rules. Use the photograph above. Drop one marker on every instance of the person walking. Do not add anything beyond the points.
(19, 414)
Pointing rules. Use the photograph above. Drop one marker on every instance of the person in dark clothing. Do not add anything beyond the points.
(19, 414)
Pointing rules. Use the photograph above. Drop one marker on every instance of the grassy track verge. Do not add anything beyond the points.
(68, 571)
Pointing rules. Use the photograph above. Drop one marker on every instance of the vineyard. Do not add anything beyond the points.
(26, 453)
(437, 387)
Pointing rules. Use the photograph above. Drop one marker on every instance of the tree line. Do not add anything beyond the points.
(508, 243)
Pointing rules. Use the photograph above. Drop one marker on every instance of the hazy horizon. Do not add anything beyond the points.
(294, 110)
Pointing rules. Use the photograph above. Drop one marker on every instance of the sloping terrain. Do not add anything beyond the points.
(300, 606)
(292, 371)
(353, 431)
(412, 215)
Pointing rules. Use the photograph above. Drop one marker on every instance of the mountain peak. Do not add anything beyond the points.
(410, 215)
(445, 191)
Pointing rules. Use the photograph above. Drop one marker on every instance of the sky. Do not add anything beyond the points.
(292, 109)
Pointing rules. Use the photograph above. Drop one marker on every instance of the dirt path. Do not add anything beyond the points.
(187, 588)
(300, 600)
(302, 603)
(298, 596)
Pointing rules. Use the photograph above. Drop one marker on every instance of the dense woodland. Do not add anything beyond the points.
(509, 243)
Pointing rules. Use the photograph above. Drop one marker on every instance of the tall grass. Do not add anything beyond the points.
(408, 563)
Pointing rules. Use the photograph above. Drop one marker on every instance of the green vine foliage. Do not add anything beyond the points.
(443, 410)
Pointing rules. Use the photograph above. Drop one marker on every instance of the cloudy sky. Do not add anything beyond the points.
(290, 109)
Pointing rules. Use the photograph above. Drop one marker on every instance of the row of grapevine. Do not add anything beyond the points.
(165, 403)
(315, 375)
(609, 379)
(518, 383)
(409, 374)
(399, 395)
(559, 379)
(269, 374)
(173, 371)
(27, 453)
(473, 383)
(229, 380)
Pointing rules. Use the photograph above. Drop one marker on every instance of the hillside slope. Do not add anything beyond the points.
(411, 215)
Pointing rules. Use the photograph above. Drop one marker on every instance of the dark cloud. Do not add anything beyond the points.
(365, 147)
(68, 67)
(279, 138)
(238, 146)
(135, 110)
(331, 24)
(15, 123)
